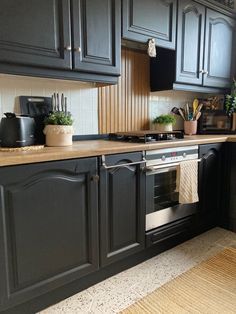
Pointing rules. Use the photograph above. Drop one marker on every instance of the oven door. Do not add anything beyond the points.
(162, 205)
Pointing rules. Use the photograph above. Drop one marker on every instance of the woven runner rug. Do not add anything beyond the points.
(209, 287)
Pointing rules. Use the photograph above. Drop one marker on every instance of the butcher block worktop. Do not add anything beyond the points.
(102, 147)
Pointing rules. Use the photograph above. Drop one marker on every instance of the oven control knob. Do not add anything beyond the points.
(184, 155)
(163, 158)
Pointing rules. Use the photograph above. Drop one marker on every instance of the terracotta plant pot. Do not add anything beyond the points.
(190, 127)
(58, 135)
(163, 127)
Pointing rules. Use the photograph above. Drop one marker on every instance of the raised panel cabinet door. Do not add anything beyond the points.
(190, 39)
(96, 36)
(219, 46)
(35, 33)
(122, 214)
(143, 20)
(49, 227)
(210, 182)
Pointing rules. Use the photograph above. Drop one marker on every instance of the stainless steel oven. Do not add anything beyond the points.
(162, 206)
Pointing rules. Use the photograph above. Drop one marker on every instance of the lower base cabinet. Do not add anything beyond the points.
(48, 227)
(229, 218)
(122, 211)
(210, 179)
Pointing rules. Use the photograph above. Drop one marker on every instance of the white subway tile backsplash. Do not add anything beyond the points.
(82, 98)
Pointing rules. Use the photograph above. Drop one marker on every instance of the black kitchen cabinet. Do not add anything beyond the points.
(209, 62)
(77, 39)
(48, 227)
(96, 34)
(143, 20)
(210, 180)
(35, 33)
(219, 47)
(190, 42)
(204, 59)
(122, 212)
(228, 213)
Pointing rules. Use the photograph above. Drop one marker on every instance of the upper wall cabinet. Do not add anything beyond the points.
(204, 59)
(96, 36)
(77, 39)
(219, 45)
(143, 20)
(35, 33)
(206, 63)
(191, 21)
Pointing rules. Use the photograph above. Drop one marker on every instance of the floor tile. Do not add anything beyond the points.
(118, 292)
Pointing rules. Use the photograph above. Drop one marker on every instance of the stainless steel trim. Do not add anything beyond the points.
(174, 164)
(122, 165)
(166, 215)
(169, 150)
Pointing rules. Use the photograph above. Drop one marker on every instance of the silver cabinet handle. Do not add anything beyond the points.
(122, 165)
(78, 49)
(68, 48)
(201, 71)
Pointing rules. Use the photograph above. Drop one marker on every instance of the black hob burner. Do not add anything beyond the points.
(146, 136)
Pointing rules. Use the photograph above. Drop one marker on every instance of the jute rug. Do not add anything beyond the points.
(209, 288)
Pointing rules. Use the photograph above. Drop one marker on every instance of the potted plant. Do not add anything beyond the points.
(230, 104)
(164, 122)
(58, 128)
(230, 100)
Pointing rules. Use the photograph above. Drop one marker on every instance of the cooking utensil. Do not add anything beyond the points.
(182, 114)
(175, 110)
(62, 102)
(195, 105)
(198, 115)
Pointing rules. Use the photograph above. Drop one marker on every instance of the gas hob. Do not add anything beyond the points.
(148, 136)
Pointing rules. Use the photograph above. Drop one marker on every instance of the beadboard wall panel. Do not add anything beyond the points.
(124, 107)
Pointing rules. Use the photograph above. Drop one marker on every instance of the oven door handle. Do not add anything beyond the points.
(169, 165)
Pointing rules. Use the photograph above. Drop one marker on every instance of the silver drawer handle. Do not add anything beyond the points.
(122, 165)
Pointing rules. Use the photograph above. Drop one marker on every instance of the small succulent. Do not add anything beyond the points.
(165, 119)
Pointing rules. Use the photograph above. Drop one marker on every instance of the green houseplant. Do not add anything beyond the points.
(58, 128)
(230, 100)
(164, 122)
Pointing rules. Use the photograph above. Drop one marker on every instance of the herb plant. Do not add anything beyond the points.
(59, 118)
(165, 119)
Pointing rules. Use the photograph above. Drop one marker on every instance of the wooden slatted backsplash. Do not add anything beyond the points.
(124, 107)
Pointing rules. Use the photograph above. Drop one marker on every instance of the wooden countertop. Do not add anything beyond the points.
(101, 147)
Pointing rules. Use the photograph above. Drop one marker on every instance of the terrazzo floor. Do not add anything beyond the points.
(118, 292)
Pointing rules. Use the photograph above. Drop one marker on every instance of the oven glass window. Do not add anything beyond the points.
(161, 188)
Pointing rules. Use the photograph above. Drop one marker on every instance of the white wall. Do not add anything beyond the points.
(82, 98)
(163, 102)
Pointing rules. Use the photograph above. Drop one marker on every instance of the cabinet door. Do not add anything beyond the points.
(49, 226)
(96, 33)
(218, 49)
(230, 215)
(121, 208)
(35, 33)
(143, 20)
(209, 183)
(190, 39)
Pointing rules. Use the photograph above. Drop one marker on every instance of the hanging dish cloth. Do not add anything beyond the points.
(187, 182)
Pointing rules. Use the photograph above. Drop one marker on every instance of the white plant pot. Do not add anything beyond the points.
(58, 135)
(163, 127)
